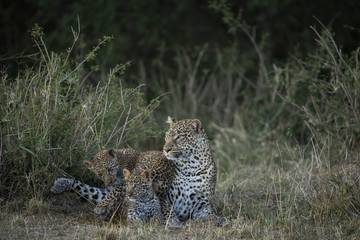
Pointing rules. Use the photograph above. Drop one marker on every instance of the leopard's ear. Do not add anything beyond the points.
(196, 125)
(111, 152)
(126, 173)
(171, 120)
(146, 174)
(87, 164)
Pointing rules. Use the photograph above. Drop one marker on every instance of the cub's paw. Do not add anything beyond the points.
(222, 221)
(62, 185)
(100, 210)
(173, 222)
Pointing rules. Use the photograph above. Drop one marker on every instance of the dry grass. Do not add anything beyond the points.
(299, 200)
(286, 191)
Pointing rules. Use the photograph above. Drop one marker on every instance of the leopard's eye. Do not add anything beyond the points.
(178, 137)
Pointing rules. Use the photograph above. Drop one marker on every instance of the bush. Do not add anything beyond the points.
(324, 89)
(291, 166)
(51, 119)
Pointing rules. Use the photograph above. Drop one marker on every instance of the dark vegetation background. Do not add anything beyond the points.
(162, 39)
(142, 28)
(149, 31)
(275, 84)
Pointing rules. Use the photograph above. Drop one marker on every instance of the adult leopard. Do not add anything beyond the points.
(187, 146)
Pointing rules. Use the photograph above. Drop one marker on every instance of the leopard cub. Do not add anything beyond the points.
(141, 202)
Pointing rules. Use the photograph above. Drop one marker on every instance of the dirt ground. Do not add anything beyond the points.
(62, 217)
(67, 216)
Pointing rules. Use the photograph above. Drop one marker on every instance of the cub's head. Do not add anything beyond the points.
(138, 186)
(182, 137)
(108, 164)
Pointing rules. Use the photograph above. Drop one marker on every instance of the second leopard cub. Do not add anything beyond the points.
(162, 173)
(141, 202)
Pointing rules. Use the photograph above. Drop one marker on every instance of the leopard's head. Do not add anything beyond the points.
(108, 164)
(138, 186)
(182, 138)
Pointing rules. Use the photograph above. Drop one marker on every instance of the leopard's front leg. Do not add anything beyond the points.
(111, 204)
(167, 213)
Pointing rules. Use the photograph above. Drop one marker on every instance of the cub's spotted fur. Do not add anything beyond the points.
(92, 194)
(141, 202)
(162, 171)
(107, 165)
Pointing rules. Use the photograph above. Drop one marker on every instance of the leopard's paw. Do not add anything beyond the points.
(62, 185)
(100, 210)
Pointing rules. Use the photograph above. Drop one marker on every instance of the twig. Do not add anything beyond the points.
(1, 146)
(19, 57)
